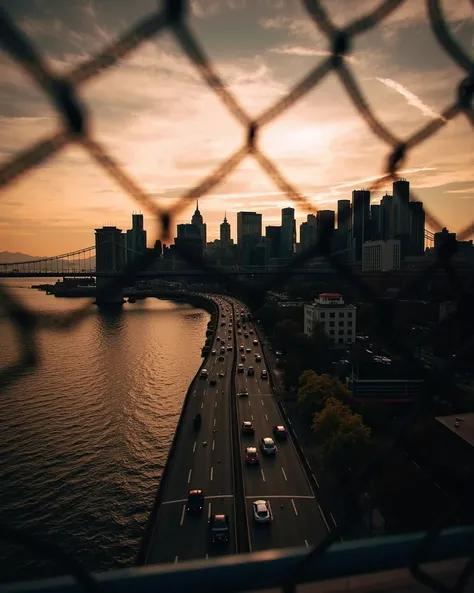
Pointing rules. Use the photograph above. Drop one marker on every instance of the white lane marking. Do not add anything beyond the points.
(284, 475)
(249, 402)
(333, 520)
(212, 472)
(215, 405)
(258, 389)
(306, 543)
(294, 507)
(194, 446)
(263, 475)
(205, 391)
(415, 464)
(182, 514)
(207, 556)
(213, 445)
(209, 511)
(176, 559)
(324, 518)
(266, 417)
(194, 392)
(189, 475)
(314, 478)
(214, 422)
(251, 416)
(202, 405)
(262, 402)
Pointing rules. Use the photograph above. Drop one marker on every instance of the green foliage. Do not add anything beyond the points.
(314, 390)
(344, 436)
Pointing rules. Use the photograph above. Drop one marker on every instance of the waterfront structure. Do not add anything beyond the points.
(337, 319)
(109, 250)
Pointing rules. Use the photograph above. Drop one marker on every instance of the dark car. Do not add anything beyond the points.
(195, 501)
(213, 381)
(219, 526)
(280, 433)
(250, 371)
(243, 392)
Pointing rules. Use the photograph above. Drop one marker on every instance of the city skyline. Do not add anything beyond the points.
(155, 116)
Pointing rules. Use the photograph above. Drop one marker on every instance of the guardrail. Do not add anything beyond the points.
(266, 570)
(150, 526)
(241, 518)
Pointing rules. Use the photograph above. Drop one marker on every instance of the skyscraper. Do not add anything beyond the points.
(273, 235)
(198, 221)
(360, 220)
(344, 216)
(417, 228)
(386, 218)
(288, 232)
(375, 222)
(135, 239)
(308, 232)
(190, 239)
(225, 233)
(249, 224)
(325, 221)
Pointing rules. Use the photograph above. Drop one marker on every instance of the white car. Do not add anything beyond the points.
(262, 512)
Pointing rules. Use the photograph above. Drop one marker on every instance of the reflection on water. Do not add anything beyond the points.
(84, 438)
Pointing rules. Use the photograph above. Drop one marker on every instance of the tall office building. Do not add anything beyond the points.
(417, 228)
(288, 232)
(375, 222)
(273, 236)
(135, 239)
(386, 218)
(344, 216)
(325, 220)
(401, 210)
(225, 233)
(308, 232)
(198, 221)
(360, 220)
(249, 224)
(189, 238)
(109, 250)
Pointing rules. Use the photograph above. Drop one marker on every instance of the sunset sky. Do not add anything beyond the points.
(168, 130)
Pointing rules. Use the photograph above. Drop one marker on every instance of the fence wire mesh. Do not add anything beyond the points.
(62, 91)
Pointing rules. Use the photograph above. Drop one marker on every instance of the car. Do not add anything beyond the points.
(280, 433)
(250, 371)
(242, 357)
(218, 338)
(247, 427)
(213, 381)
(262, 512)
(240, 368)
(251, 455)
(221, 374)
(204, 374)
(220, 358)
(195, 502)
(267, 445)
(246, 335)
(248, 350)
(222, 323)
(243, 392)
(264, 374)
(219, 528)
(258, 358)
(241, 348)
(213, 352)
(255, 342)
(250, 331)
(240, 332)
(279, 353)
(229, 348)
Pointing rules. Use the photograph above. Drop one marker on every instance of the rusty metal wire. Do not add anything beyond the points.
(63, 93)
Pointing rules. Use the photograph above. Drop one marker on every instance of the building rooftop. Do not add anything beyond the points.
(464, 428)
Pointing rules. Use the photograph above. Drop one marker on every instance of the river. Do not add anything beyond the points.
(84, 437)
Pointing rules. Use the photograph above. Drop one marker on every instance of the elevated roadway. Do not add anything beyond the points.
(177, 536)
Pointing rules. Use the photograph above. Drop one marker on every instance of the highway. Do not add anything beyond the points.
(279, 479)
(176, 536)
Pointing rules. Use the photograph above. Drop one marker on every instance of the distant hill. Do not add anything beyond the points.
(6, 257)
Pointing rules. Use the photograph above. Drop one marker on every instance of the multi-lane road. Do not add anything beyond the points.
(205, 460)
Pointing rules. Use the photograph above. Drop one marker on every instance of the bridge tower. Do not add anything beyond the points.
(107, 295)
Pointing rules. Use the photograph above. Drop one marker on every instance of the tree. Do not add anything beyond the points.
(286, 332)
(314, 390)
(344, 436)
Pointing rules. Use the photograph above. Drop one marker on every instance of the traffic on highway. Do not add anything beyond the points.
(197, 516)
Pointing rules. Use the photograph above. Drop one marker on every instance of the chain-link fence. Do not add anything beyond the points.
(62, 91)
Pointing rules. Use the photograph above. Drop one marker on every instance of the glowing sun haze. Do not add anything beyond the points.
(168, 130)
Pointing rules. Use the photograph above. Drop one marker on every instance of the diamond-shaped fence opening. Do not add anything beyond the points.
(75, 117)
